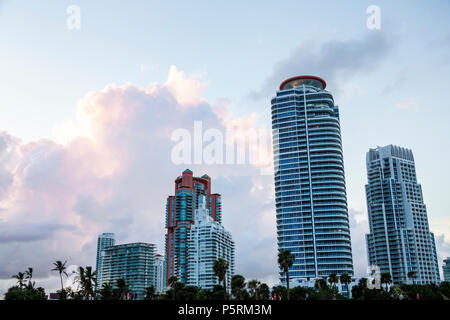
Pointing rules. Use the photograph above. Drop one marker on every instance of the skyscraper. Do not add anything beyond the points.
(104, 240)
(400, 240)
(180, 216)
(446, 269)
(208, 241)
(134, 262)
(311, 201)
(160, 282)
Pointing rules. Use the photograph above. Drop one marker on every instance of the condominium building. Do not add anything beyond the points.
(310, 193)
(134, 262)
(208, 241)
(180, 216)
(446, 269)
(160, 282)
(104, 240)
(400, 241)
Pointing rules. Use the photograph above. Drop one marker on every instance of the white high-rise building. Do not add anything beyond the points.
(400, 241)
(208, 241)
(159, 274)
(104, 241)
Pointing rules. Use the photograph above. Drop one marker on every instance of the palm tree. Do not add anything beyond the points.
(263, 291)
(173, 281)
(29, 275)
(106, 292)
(254, 286)
(220, 268)
(150, 293)
(237, 286)
(286, 260)
(412, 275)
(346, 280)
(122, 288)
(20, 279)
(80, 278)
(320, 285)
(386, 279)
(61, 268)
(86, 279)
(91, 280)
(333, 280)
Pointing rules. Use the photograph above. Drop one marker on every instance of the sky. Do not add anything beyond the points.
(87, 115)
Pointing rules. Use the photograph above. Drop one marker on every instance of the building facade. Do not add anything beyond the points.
(160, 281)
(400, 241)
(208, 241)
(104, 240)
(446, 269)
(180, 216)
(134, 262)
(310, 193)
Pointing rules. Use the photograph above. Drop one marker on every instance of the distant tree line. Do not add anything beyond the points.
(241, 289)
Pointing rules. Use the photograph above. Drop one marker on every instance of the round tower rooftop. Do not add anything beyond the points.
(300, 80)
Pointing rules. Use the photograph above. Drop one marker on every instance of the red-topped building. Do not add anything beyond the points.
(180, 216)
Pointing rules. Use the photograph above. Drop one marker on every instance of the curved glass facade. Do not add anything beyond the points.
(311, 201)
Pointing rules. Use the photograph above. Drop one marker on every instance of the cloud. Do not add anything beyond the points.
(112, 172)
(409, 104)
(185, 89)
(359, 227)
(26, 232)
(333, 60)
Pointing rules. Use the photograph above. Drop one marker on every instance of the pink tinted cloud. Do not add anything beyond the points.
(113, 173)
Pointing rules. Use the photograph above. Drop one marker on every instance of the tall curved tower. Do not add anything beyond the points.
(311, 200)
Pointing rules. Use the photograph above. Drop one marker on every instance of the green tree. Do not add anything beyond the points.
(412, 275)
(121, 288)
(150, 293)
(220, 268)
(253, 287)
(61, 268)
(397, 293)
(280, 292)
(322, 288)
(173, 280)
(333, 280)
(86, 279)
(238, 286)
(28, 293)
(386, 279)
(444, 288)
(20, 279)
(298, 293)
(346, 280)
(188, 293)
(203, 294)
(218, 292)
(264, 291)
(285, 261)
(106, 292)
(29, 276)
(358, 290)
